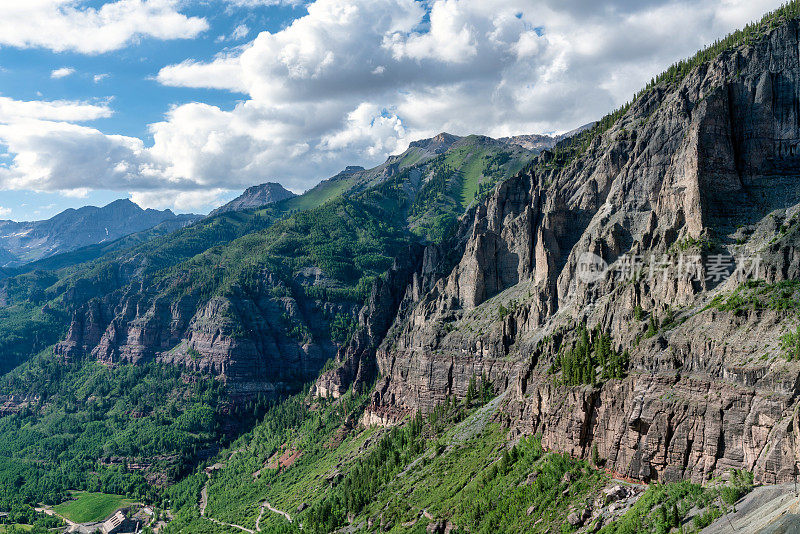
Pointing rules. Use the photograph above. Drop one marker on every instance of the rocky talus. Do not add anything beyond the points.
(702, 169)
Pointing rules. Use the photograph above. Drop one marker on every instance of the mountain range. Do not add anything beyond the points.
(595, 333)
(24, 242)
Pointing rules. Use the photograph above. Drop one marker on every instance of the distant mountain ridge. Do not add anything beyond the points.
(539, 142)
(24, 242)
(355, 178)
(255, 197)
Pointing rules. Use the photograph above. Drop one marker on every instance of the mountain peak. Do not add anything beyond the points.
(23, 242)
(255, 197)
(437, 144)
(351, 169)
(122, 202)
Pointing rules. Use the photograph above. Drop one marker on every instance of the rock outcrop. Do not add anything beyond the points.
(696, 183)
(356, 358)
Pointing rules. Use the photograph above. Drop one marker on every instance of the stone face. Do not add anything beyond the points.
(708, 166)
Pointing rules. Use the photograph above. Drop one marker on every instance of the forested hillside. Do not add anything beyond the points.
(278, 288)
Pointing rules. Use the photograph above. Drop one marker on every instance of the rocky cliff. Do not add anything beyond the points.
(264, 339)
(695, 185)
(356, 358)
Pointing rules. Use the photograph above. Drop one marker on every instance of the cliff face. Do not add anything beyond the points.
(706, 168)
(268, 338)
(357, 356)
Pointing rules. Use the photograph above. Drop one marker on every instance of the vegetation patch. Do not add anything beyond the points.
(114, 430)
(755, 295)
(665, 507)
(790, 342)
(88, 507)
(591, 360)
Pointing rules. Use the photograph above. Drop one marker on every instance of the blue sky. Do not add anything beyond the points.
(125, 78)
(182, 104)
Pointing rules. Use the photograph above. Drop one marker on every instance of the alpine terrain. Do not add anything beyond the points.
(597, 332)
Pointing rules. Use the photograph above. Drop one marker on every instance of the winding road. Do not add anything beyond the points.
(264, 506)
(268, 506)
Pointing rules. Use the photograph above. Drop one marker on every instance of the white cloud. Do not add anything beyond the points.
(63, 72)
(257, 3)
(60, 156)
(368, 129)
(200, 200)
(239, 32)
(452, 36)
(226, 74)
(58, 110)
(355, 80)
(99, 77)
(5, 212)
(61, 25)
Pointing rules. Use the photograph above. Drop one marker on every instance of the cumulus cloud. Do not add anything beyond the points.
(183, 200)
(225, 74)
(75, 25)
(61, 156)
(353, 81)
(63, 72)
(5, 212)
(99, 77)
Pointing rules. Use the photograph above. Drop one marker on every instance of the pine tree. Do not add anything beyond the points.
(652, 326)
(599, 352)
(471, 390)
(797, 344)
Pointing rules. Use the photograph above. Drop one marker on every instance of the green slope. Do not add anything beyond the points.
(453, 465)
(88, 507)
(320, 194)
